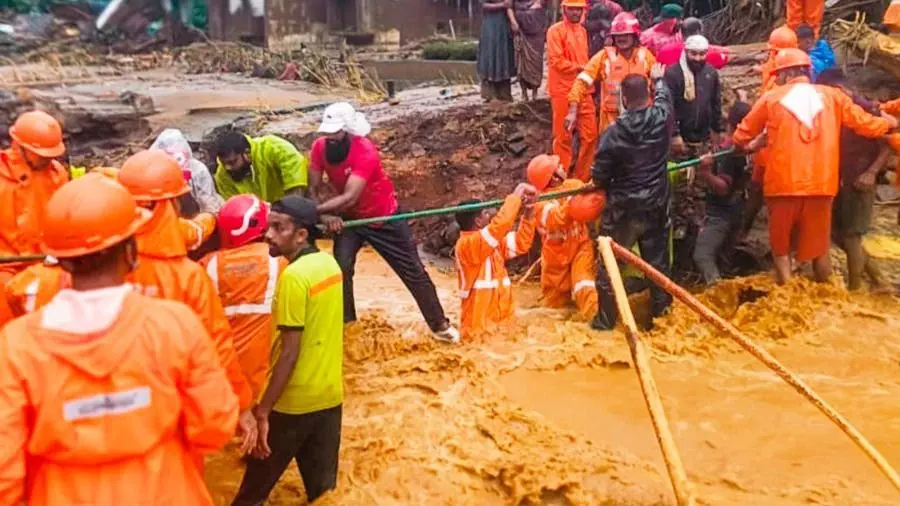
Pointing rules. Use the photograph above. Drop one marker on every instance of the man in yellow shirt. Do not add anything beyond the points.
(269, 167)
(299, 415)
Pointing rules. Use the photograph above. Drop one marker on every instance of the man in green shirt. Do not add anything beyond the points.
(299, 415)
(269, 167)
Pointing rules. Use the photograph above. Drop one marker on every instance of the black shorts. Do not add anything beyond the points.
(312, 439)
(851, 212)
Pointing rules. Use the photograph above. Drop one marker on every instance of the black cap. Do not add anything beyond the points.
(301, 210)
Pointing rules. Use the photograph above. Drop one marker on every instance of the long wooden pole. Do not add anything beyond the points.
(765, 357)
(677, 475)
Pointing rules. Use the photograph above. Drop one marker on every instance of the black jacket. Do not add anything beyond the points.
(694, 120)
(630, 162)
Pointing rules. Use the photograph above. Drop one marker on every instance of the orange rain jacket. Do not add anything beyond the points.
(481, 255)
(610, 68)
(33, 288)
(197, 230)
(893, 108)
(24, 194)
(567, 54)
(568, 260)
(768, 84)
(111, 417)
(245, 278)
(805, 11)
(803, 160)
(892, 16)
(165, 271)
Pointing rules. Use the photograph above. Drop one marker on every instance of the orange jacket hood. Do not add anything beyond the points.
(161, 237)
(97, 352)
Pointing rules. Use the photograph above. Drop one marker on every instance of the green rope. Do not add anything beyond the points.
(432, 212)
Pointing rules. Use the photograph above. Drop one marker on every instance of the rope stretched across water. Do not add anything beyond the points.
(425, 213)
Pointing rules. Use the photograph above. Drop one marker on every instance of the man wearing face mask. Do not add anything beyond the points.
(29, 175)
(269, 167)
(354, 170)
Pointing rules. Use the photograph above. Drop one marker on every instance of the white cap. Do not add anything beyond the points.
(696, 43)
(342, 116)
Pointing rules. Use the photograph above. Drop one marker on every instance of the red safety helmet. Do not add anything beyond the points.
(625, 24)
(243, 218)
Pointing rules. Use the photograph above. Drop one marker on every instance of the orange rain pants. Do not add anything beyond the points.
(568, 259)
(805, 11)
(112, 417)
(246, 277)
(484, 286)
(165, 271)
(567, 54)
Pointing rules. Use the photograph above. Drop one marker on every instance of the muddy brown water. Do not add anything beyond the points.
(551, 413)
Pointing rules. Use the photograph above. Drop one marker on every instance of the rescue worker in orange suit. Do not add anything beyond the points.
(484, 246)
(568, 261)
(107, 394)
(808, 12)
(164, 270)
(610, 66)
(567, 54)
(803, 123)
(780, 38)
(891, 18)
(892, 107)
(246, 276)
(29, 174)
(33, 287)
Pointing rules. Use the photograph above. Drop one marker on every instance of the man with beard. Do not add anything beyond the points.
(299, 413)
(354, 169)
(609, 67)
(29, 174)
(269, 167)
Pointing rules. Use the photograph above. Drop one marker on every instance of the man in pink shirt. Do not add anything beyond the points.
(354, 170)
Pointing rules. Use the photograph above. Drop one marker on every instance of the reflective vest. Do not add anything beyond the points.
(615, 70)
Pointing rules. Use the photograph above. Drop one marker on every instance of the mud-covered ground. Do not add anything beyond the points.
(550, 412)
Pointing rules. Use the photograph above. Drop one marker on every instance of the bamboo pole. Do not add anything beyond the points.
(677, 475)
(765, 357)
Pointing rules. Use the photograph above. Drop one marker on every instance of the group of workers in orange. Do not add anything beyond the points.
(94, 329)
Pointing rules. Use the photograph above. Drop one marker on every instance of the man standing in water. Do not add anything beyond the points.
(299, 415)
(354, 170)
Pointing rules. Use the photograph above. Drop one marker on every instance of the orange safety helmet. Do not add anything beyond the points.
(578, 4)
(625, 24)
(39, 133)
(152, 175)
(88, 215)
(541, 169)
(782, 38)
(791, 58)
(586, 208)
(243, 218)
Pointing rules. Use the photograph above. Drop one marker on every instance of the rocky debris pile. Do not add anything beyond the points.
(93, 124)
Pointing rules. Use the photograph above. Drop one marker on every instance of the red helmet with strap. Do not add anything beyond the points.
(243, 218)
(625, 24)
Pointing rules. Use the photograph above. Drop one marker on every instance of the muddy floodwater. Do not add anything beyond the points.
(551, 413)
